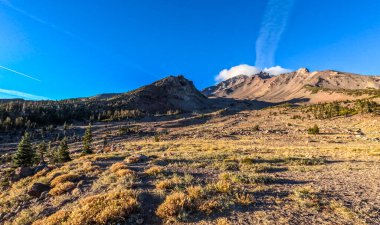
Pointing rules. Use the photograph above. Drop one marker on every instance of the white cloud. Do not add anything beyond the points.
(242, 69)
(248, 70)
(5, 93)
(276, 70)
(273, 25)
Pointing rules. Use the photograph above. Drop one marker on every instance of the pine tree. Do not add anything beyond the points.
(41, 151)
(51, 153)
(63, 151)
(87, 140)
(25, 154)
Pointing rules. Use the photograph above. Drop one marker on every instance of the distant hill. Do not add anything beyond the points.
(300, 85)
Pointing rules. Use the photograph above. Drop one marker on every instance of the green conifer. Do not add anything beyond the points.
(25, 154)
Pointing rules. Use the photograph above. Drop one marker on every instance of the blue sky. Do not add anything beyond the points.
(83, 48)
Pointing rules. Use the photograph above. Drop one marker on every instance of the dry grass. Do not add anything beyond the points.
(154, 170)
(106, 208)
(64, 178)
(59, 217)
(172, 206)
(124, 172)
(117, 166)
(62, 188)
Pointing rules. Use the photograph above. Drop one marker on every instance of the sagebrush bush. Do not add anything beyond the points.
(313, 130)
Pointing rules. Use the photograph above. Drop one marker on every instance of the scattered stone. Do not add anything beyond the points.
(41, 166)
(37, 189)
(136, 158)
(43, 195)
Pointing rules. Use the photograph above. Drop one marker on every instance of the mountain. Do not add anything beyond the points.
(300, 85)
(170, 93)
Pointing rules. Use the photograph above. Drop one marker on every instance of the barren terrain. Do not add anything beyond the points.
(224, 167)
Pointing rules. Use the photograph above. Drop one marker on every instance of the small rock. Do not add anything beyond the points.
(37, 189)
(41, 166)
(140, 221)
(136, 158)
(43, 195)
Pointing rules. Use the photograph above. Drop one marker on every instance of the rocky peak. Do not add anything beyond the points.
(303, 70)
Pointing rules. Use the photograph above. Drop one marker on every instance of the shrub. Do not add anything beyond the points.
(247, 161)
(313, 130)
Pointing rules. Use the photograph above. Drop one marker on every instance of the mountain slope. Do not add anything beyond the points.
(319, 86)
(170, 93)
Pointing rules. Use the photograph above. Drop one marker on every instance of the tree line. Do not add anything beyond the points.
(334, 109)
(25, 115)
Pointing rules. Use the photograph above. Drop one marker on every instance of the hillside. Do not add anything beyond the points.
(299, 86)
(251, 167)
(173, 93)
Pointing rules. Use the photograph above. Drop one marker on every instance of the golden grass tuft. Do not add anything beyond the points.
(222, 186)
(107, 208)
(89, 167)
(172, 206)
(244, 198)
(209, 205)
(222, 221)
(165, 184)
(59, 217)
(64, 178)
(124, 172)
(117, 166)
(195, 192)
(62, 188)
(154, 170)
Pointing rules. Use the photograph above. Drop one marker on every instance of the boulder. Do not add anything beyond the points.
(37, 189)
(19, 173)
